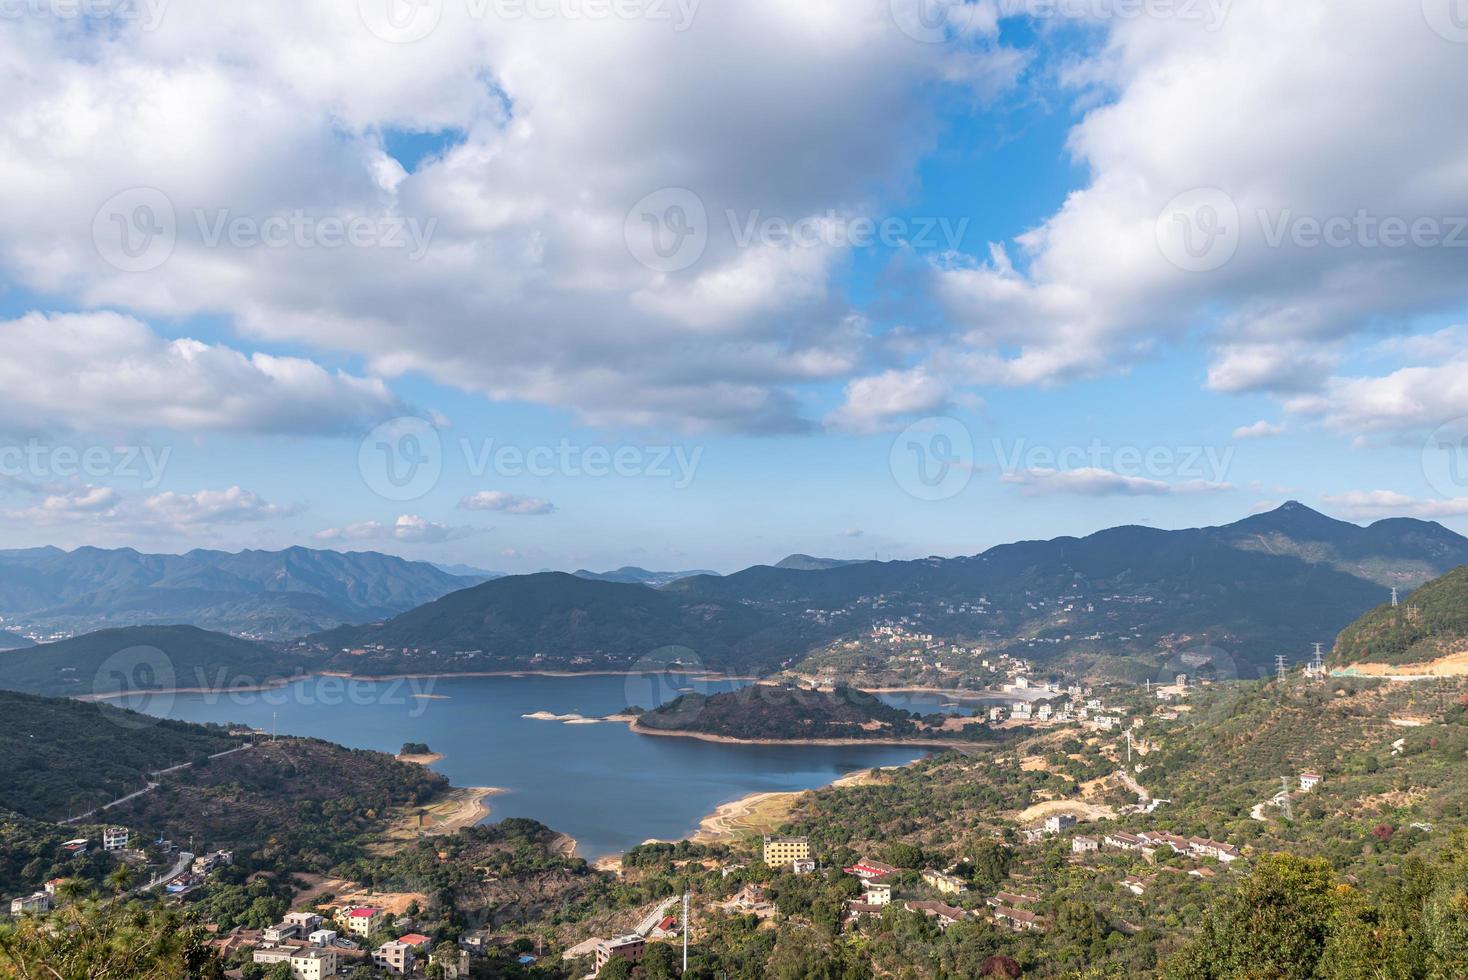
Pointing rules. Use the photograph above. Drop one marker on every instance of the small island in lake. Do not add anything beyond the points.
(781, 713)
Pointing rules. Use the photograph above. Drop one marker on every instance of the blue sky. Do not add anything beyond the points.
(1092, 369)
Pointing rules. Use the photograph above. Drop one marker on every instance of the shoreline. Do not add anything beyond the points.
(927, 743)
(425, 759)
(277, 684)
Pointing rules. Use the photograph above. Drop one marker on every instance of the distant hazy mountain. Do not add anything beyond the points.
(256, 593)
(1271, 583)
(1428, 624)
(14, 641)
(805, 563)
(469, 571)
(1398, 552)
(640, 576)
(143, 658)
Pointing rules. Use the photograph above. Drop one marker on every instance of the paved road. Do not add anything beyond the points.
(151, 785)
(657, 915)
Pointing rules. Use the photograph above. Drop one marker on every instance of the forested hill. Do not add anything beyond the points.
(65, 757)
(14, 641)
(144, 658)
(766, 711)
(1428, 624)
(558, 620)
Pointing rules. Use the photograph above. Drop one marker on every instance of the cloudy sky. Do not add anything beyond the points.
(699, 283)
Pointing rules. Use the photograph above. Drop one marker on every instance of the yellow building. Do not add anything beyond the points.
(783, 850)
(944, 883)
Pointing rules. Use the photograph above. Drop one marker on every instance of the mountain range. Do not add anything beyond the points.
(640, 576)
(1269, 584)
(265, 594)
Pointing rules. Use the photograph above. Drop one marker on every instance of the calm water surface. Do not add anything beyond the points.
(600, 783)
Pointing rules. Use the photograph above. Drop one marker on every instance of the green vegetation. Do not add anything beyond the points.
(145, 658)
(1293, 919)
(295, 804)
(64, 758)
(107, 942)
(1430, 623)
(764, 711)
(553, 619)
(415, 748)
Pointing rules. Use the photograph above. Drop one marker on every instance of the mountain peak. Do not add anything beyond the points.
(1294, 518)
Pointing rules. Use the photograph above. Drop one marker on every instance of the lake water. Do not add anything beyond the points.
(605, 786)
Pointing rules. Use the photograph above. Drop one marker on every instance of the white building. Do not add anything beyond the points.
(115, 838)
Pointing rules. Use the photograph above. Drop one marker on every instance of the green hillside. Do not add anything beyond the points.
(764, 711)
(558, 620)
(14, 641)
(143, 658)
(64, 757)
(1430, 623)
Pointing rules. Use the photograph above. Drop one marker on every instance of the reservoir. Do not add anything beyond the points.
(596, 781)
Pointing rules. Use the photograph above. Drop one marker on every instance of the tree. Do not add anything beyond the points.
(1274, 925)
(109, 942)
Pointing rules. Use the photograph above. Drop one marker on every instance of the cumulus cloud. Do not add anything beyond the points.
(1189, 136)
(878, 403)
(507, 503)
(408, 528)
(1410, 398)
(1263, 429)
(1095, 482)
(1373, 504)
(527, 288)
(105, 371)
(171, 511)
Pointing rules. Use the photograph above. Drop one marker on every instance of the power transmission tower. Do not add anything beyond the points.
(1279, 665)
(1284, 798)
(1395, 601)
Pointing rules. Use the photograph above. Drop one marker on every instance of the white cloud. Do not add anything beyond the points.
(170, 511)
(1372, 504)
(105, 372)
(881, 402)
(1411, 398)
(507, 503)
(408, 528)
(1178, 108)
(1262, 429)
(852, 532)
(527, 289)
(1095, 482)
